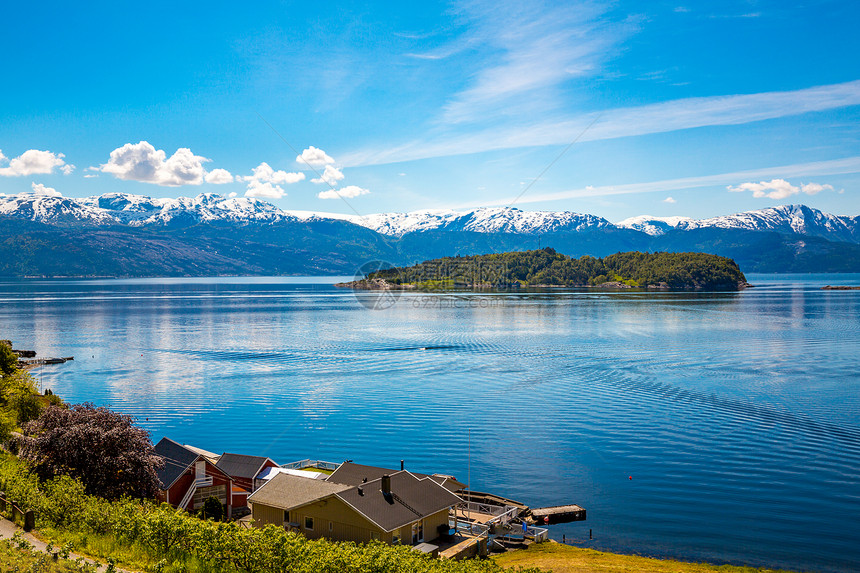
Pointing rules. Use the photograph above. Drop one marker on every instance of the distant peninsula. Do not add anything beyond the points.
(547, 268)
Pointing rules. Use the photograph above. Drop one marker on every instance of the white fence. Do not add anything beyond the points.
(319, 464)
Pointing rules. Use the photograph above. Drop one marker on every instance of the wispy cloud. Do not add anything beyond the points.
(833, 167)
(524, 52)
(622, 122)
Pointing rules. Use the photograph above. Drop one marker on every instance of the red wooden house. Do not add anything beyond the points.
(188, 478)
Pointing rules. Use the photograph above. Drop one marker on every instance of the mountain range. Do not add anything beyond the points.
(118, 234)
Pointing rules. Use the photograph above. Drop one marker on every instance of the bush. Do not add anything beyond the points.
(212, 509)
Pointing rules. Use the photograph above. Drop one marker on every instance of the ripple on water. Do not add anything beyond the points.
(735, 414)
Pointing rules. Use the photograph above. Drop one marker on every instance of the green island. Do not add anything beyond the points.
(548, 268)
(86, 474)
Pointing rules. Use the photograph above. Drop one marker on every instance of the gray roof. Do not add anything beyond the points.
(411, 498)
(177, 459)
(241, 466)
(355, 474)
(287, 491)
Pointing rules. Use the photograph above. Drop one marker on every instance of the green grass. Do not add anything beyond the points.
(318, 470)
(125, 555)
(14, 559)
(565, 559)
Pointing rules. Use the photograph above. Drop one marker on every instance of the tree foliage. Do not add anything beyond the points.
(19, 400)
(8, 359)
(103, 449)
(548, 267)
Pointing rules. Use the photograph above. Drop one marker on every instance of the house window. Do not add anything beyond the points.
(330, 526)
(395, 539)
(309, 523)
(286, 517)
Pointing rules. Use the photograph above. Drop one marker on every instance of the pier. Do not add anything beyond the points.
(558, 514)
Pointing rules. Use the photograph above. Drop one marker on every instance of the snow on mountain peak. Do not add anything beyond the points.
(139, 211)
(487, 220)
(654, 226)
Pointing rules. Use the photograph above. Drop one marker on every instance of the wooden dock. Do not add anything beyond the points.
(558, 514)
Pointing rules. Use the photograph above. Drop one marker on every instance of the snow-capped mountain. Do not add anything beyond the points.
(141, 211)
(654, 226)
(119, 234)
(52, 210)
(490, 220)
(787, 219)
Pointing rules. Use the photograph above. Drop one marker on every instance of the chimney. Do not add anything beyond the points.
(386, 484)
(361, 491)
(402, 467)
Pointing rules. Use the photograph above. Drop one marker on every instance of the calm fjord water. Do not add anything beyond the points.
(735, 414)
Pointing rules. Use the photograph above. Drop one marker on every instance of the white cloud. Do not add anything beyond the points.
(232, 194)
(778, 188)
(91, 175)
(142, 162)
(265, 190)
(264, 173)
(669, 200)
(67, 169)
(265, 182)
(813, 188)
(32, 162)
(331, 175)
(314, 156)
(348, 192)
(219, 177)
(40, 189)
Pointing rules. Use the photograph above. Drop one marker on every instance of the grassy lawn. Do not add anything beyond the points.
(318, 470)
(565, 559)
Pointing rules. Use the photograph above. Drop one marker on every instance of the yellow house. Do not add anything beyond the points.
(400, 508)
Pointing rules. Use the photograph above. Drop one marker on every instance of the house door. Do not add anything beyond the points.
(199, 470)
(417, 532)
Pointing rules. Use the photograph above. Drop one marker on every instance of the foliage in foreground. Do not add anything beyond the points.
(103, 449)
(172, 540)
(20, 402)
(547, 267)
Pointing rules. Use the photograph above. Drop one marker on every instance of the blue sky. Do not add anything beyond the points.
(672, 108)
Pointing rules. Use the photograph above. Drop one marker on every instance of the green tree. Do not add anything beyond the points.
(8, 359)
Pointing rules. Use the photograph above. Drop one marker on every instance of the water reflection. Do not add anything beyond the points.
(724, 408)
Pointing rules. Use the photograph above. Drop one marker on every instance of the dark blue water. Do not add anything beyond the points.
(735, 414)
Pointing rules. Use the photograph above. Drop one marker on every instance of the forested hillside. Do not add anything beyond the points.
(546, 267)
